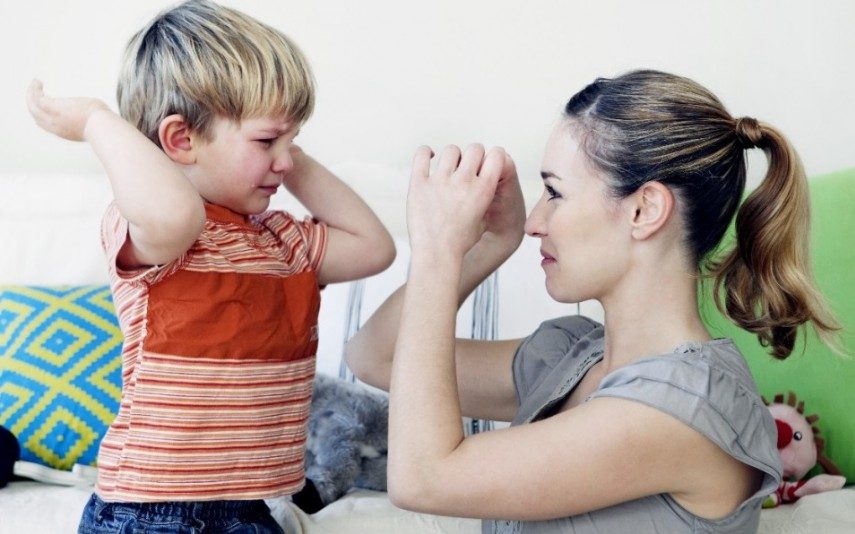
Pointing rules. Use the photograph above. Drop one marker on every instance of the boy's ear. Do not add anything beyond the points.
(175, 138)
(652, 206)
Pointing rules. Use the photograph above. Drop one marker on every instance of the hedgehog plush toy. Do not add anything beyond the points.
(800, 448)
(346, 445)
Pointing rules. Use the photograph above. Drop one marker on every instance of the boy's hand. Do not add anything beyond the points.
(357, 243)
(295, 150)
(65, 117)
(301, 168)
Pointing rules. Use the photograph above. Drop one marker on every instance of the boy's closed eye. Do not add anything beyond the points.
(268, 141)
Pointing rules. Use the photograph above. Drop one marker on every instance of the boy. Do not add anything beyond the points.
(217, 298)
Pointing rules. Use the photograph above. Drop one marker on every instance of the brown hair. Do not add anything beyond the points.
(647, 125)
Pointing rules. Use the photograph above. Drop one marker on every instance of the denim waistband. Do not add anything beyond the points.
(205, 510)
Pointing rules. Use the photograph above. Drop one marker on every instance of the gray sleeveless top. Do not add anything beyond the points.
(706, 385)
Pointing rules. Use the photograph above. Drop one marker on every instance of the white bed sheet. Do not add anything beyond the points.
(36, 508)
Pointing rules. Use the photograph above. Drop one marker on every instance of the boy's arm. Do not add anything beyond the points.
(358, 245)
(164, 211)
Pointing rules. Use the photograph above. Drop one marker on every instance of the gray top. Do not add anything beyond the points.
(706, 385)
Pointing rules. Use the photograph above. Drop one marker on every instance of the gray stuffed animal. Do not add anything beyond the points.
(346, 445)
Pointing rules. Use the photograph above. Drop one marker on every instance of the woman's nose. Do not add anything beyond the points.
(535, 224)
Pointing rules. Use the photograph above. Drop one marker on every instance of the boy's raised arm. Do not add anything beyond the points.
(164, 210)
(358, 244)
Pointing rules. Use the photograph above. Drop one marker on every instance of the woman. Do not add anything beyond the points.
(645, 423)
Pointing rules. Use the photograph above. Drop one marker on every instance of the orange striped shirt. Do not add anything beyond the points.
(218, 362)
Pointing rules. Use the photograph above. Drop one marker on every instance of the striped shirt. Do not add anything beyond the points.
(218, 362)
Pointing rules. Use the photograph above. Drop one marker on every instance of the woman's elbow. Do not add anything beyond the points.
(408, 495)
(354, 361)
(416, 485)
(383, 253)
(362, 366)
(400, 499)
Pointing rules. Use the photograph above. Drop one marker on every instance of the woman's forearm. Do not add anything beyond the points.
(424, 384)
(370, 352)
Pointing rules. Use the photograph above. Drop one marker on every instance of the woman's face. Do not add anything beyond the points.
(584, 233)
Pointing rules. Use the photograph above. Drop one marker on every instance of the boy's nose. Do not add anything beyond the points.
(283, 162)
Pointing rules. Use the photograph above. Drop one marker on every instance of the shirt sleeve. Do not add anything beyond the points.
(540, 352)
(308, 237)
(315, 235)
(709, 399)
(114, 235)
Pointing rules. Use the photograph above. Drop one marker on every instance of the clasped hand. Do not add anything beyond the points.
(467, 196)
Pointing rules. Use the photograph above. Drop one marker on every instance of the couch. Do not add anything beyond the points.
(50, 238)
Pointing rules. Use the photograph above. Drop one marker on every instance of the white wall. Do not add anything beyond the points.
(396, 74)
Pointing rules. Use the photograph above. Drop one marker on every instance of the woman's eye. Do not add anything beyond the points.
(552, 193)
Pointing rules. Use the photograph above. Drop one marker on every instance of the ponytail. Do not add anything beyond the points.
(768, 286)
(648, 125)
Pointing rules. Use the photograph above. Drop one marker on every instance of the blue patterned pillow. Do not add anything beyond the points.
(60, 370)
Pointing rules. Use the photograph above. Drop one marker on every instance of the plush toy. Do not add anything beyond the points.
(346, 445)
(800, 448)
(10, 452)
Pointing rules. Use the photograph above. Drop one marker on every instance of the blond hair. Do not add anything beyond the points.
(202, 60)
(648, 125)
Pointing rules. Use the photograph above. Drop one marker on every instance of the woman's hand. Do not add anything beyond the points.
(505, 217)
(65, 117)
(446, 208)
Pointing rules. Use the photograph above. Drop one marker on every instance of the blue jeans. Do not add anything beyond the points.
(210, 517)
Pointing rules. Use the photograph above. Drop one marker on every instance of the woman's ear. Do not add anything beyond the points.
(652, 205)
(174, 135)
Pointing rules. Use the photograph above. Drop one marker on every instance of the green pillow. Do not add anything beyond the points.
(823, 380)
(60, 370)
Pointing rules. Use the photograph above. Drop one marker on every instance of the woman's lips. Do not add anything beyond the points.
(547, 259)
